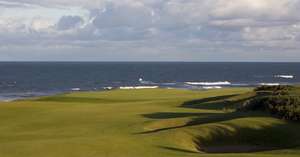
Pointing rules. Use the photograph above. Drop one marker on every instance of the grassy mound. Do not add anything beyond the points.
(249, 135)
(134, 123)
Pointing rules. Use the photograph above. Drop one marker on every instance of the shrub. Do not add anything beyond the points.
(273, 88)
(287, 107)
(276, 100)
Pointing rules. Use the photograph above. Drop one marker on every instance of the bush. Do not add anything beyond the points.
(287, 107)
(273, 90)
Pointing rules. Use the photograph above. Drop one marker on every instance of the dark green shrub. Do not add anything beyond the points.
(287, 107)
(273, 88)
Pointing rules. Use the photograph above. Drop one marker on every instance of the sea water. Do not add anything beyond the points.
(28, 79)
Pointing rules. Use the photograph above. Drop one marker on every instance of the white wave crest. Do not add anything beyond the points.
(108, 88)
(269, 84)
(212, 87)
(139, 87)
(285, 76)
(75, 89)
(209, 83)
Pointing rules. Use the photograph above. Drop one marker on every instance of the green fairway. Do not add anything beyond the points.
(143, 123)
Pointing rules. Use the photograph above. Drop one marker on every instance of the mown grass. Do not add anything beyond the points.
(135, 123)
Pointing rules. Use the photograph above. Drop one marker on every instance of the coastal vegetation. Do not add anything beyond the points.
(280, 101)
(225, 122)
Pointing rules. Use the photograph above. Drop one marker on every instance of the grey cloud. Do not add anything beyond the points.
(69, 22)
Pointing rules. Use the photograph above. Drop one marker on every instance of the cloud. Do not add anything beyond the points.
(259, 9)
(112, 16)
(69, 22)
(15, 4)
(153, 26)
(40, 24)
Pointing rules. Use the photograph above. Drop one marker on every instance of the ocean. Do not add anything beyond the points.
(20, 80)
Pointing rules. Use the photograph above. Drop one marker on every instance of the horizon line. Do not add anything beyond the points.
(53, 61)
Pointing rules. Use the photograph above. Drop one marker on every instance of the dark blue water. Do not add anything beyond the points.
(19, 80)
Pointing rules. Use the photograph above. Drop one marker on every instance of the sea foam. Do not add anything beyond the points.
(269, 84)
(212, 87)
(209, 83)
(139, 87)
(285, 76)
(75, 89)
(108, 88)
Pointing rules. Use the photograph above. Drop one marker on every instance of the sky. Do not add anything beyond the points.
(150, 30)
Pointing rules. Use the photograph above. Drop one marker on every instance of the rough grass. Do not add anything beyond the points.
(135, 123)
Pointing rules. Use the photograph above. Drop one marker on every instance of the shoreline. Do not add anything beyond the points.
(105, 89)
(26, 96)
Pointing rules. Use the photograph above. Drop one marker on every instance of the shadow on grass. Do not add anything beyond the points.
(229, 138)
(217, 118)
(246, 140)
(213, 103)
(204, 118)
(169, 115)
(216, 103)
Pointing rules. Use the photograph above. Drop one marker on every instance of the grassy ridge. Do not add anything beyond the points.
(134, 123)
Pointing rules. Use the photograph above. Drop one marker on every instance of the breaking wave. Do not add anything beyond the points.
(212, 87)
(75, 89)
(107, 88)
(139, 87)
(269, 84)
(284, 76)
(209, 83)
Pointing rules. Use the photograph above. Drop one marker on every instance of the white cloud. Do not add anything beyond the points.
(123, 15)
(41, 24)
(270, 33)
(11, 25)
(211, 25)
(261, 9)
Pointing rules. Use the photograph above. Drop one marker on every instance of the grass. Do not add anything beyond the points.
(135, 123)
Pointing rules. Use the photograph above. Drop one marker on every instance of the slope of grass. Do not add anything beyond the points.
(135, 123)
